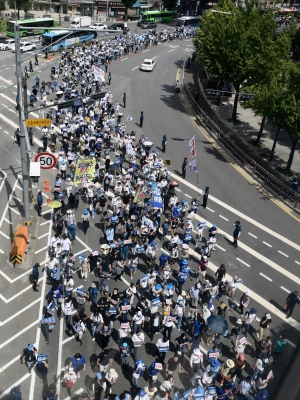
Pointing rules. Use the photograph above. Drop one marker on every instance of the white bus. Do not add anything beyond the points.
(187, 21)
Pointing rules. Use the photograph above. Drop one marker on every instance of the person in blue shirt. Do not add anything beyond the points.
(263, 395)
(78, 363)
(39, 202)
(198, 327)
(35, 277)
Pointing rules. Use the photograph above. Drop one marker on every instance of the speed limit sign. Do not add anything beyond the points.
(46, 160)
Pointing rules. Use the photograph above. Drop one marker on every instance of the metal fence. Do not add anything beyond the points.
(262, 176)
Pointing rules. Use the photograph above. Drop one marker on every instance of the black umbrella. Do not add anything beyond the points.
(114, 167)
(217, 324)
(36, 87)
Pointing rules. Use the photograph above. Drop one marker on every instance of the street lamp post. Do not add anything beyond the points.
(24, 139)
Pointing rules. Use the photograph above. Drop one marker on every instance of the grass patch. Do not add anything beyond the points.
(56, 23)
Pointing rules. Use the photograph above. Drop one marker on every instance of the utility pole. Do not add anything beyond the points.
(24, 139)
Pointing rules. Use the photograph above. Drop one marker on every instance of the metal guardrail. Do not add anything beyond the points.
(262, 176)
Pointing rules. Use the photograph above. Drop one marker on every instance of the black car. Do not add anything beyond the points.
(148, 25)
(119, 26)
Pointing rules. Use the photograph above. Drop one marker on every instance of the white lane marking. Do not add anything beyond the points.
(265, 276)
(154, 57)
(38, 333)
(40, 237)
(19, 333)
(6, 132)
(254, 253)
(242, 215)
(219, 247)
(171, 50)
(40, 250)
(178, 190)
(255, 297)
(243, 262)
(252, 235)
(267, 244)
(5, 80)
(15, 384)
(19, 312)
(210, 209)
(11, 362)
(18, 294)
(1, 251)
(134, 68)
(19, 187)
(282, 253)
(286, 290)
(45, 212)
(3, 234)
(15, 279)
(144, 51)
(221, 216)
(297, 262)
(190, 197)
(44, 223)
(68, 339)
(6, 220)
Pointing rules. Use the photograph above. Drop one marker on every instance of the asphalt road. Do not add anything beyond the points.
(268, 246)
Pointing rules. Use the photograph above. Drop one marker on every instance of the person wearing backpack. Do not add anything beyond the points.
(16, 393)
(53, 392)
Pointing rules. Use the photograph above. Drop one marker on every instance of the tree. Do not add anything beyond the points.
(23, 5)
(234, 43)
(270, 76)
(286, 112)
(128, 4)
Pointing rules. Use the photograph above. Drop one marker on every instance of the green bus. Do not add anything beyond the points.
(157, 16)
(46, 23)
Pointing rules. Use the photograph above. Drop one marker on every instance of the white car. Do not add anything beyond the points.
(148, 64)
(7, 44)
(98, 26)
(24, 46)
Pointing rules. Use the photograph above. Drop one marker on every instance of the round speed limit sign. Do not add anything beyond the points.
(46, 160)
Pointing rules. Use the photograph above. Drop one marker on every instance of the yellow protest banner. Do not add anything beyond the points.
(85, 169)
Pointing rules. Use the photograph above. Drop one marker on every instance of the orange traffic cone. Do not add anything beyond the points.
(48, 200)
(46, 183)
(49, 59)
(47, 189)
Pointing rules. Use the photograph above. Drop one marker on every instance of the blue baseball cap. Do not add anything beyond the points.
(98, 375)
(124, 344)
(85, 212)
(142, 393)
(30, 347)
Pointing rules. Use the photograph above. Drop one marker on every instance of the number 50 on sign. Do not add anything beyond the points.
(46, 160)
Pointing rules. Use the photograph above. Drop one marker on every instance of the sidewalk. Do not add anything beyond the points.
(247, 129)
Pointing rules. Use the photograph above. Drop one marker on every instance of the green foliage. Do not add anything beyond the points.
(169, 4)
(128, 4)
(23, 5)
(240, 45)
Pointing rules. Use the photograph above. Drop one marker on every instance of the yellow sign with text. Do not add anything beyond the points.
(38, 122)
